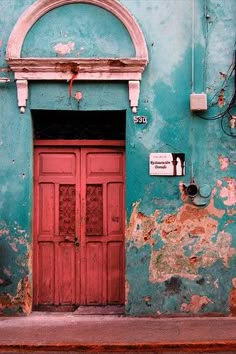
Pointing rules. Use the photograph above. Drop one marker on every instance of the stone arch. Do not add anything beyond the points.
(41, 7)
(129, 69)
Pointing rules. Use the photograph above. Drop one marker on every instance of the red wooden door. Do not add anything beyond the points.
(78, 226)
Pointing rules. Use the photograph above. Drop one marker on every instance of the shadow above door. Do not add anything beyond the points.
(69, 125)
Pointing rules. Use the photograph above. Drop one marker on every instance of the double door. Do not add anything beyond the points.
(78, 226)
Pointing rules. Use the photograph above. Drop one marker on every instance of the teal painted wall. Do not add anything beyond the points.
(180, 258)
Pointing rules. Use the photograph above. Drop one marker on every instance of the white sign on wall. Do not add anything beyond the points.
(166, 164)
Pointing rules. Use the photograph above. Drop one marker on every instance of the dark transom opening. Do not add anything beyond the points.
(52, 124)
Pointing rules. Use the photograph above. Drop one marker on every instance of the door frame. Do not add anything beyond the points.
(73, 144)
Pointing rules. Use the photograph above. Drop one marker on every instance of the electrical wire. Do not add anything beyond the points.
(232, 134)
(231, 102)
(193, 45)
(204, 74)
(225, 82)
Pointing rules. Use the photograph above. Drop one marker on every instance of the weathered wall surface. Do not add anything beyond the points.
(180, 257)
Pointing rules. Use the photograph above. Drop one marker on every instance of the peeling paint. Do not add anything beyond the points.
(15, 242)
(22, 299)
(221, 98)
(224, 162)
(190, 235)
(13, 246)
(228, 192)
(7, 272)
(196, 303)
(141, 228)
(193, 231)
(232, 298)
(64, 48)
(127, 289)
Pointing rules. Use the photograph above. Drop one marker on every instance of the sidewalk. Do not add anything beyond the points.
(68, 332)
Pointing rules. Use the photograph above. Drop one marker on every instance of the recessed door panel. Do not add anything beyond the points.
(46, 278)
(115, 269)
(67, 272)
(115, 209)
(56, 164)
(46, 208)
(94, 276)
(106, 163)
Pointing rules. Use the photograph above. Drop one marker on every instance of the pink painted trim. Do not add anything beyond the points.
(134, 91)
(41, 7)
(95, 76)
(22, 94)
(79, 142)
(89, 69)
(127, 69)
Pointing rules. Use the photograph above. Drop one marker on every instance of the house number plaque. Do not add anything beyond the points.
(140, 119)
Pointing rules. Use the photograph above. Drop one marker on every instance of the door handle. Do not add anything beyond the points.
(76, 242)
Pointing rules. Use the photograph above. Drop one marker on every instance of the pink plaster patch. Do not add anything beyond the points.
(127, 289)
(4, 232)
(13, 246)
(196, 303)
(141, 227)
(7, 272)
(224, 162)
(64, 48)
(229, 192)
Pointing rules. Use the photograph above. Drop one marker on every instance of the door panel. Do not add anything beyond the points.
(46, 208)
(46, 266)
(94, 276)
(67, 273)
(56, 164)
(115, 208)
(78, 226)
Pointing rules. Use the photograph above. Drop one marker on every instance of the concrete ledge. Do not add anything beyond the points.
(64, 332)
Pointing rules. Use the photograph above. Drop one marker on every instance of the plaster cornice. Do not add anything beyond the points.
(126, 69)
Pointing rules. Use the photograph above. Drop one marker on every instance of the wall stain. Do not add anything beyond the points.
(148, 300)
(173, 285)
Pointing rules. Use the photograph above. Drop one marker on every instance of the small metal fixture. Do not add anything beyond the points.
(232, 123)
(191, 189)
(197, 195)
